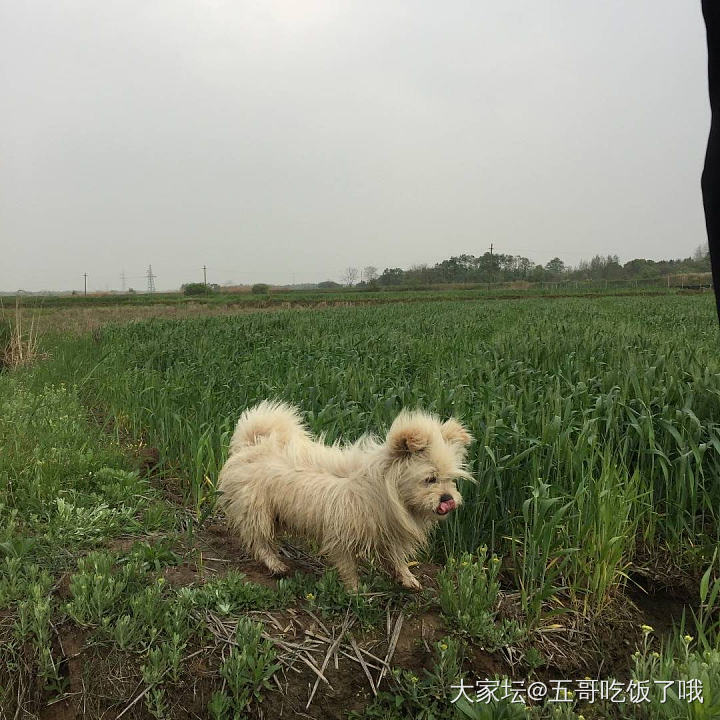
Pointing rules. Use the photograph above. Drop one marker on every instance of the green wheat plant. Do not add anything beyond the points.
(596, 422)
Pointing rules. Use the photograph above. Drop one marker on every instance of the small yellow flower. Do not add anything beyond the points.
(309, 597)
(654, 655)
(687, 639)
(443, 647)
(647, 629)
(413, 679)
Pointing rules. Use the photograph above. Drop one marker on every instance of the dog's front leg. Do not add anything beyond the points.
(399, 567)
(346, 566)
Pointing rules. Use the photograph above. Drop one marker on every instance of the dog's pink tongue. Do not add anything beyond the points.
(445, 507)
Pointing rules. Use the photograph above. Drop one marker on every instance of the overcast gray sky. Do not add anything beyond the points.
(279, 140)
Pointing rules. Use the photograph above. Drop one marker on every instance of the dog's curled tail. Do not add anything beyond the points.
(268, 419)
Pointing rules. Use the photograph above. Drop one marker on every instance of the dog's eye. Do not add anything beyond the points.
(431, 480)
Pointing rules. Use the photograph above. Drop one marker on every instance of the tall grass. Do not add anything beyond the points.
(597, 421)
(19, 338)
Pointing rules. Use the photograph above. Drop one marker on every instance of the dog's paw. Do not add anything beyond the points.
(278, 568)
(410, 582)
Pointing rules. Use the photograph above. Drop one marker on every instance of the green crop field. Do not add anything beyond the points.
(284, 297)
(587, 546)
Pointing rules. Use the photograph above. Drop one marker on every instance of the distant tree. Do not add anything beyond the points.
(419, 274)
(524, 266)
(195, 289)
(260, 289)
(556, 266)
(539, 274)
(392, 276)
(583, 270)
(604, 266)
(490, 263)
(613, 268)
(451, 270)
(369, 273)
(701, 252)
(502, 268)
(350, 276)
(597, 267)
(640, 268)
(328, 285)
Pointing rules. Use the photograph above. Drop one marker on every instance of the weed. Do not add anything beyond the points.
(33, 626)
(468, 590)
(328, 596)
(98, 588)
(233, 594)
(691, 654)
(155, 556)
(246, 671)
(423, 697)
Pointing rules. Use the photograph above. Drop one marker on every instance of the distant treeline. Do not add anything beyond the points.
(498, 267)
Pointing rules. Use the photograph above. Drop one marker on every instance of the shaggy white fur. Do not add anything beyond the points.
(370, 497)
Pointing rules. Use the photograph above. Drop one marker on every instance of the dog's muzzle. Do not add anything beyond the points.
(446, 505)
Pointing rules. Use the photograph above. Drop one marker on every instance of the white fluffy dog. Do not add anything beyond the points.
(370, 497)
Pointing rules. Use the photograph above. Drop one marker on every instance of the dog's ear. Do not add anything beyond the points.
(407, 439)
(455, 433)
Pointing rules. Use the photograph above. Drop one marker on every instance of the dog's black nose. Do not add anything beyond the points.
(445, 497)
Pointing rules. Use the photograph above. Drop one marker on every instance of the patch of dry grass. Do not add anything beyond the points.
(19, 338)
(79, 320)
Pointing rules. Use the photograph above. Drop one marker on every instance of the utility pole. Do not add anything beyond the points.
(122, 279)
(85, 276)
(205, 277)
(491, 261)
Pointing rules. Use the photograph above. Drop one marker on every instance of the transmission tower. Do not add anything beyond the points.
(150, 280)
(123, 278)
